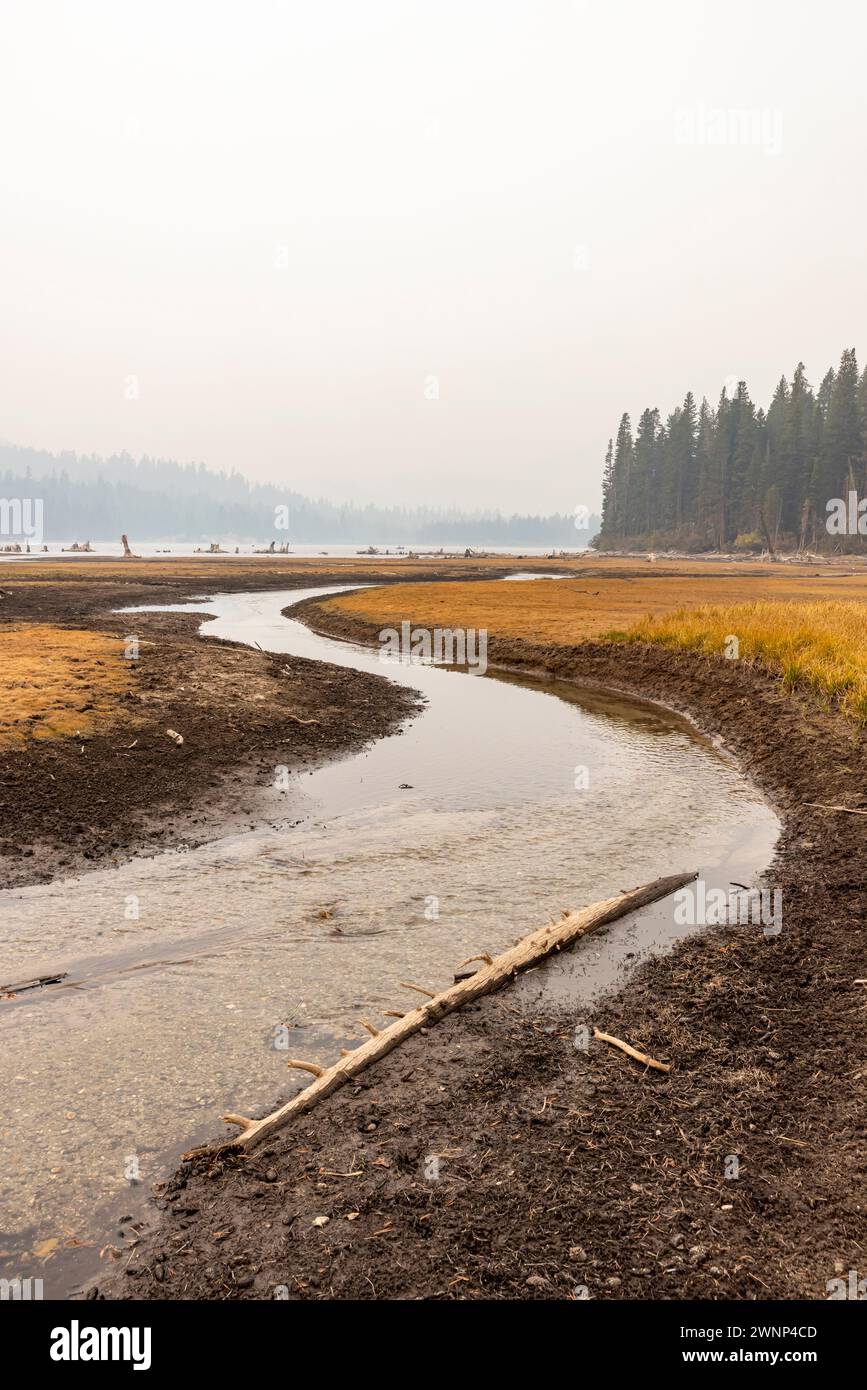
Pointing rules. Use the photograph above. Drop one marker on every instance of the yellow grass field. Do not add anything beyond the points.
(820, 646)
(56, 682)
(572, 610)
(207, 569)
(810, 628)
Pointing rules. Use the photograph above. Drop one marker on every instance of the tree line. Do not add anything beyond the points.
(738, 476)
(91, 498)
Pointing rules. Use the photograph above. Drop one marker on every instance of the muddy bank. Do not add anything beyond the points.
(53, 590)
(490, 1158)
(67, 804)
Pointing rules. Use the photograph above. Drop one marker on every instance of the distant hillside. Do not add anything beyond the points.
(97, 499)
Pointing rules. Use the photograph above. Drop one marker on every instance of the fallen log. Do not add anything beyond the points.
(39, 982)
(528, 952)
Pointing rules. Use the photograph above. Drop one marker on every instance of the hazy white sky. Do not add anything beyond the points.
(419, 251)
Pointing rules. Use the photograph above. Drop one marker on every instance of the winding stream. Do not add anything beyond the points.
(283, 936)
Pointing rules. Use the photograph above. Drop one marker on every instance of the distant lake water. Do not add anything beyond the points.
(249, 549)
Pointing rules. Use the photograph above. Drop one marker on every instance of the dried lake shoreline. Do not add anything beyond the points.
(69, 804)
(563, 1174)
(559, 1171)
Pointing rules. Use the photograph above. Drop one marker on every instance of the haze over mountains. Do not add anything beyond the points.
(92, 498)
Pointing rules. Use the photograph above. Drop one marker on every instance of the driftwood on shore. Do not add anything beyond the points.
(38, 982)
(632, 1052)
(529, 951)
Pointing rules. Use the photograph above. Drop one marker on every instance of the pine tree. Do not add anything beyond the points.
(801, 432)
(779, 450)
(616, 518)
(678, 460)
(840, 446)
(647, 510)
(704, 506)
(742, 480)
(609, 484)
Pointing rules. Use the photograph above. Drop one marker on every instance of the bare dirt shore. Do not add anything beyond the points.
(564, 1174)
(124, 786)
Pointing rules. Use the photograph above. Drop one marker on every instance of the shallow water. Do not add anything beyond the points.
(283, 937)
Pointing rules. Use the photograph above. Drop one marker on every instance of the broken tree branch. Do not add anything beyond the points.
(529, 951)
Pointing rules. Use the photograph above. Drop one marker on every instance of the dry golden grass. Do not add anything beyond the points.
(209, 569)
(56, 682)
(808, 628)
(571, 610)
(817, 646)
(802, 621)
(542, 610)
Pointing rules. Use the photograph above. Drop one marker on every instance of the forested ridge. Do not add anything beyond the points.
(91, 498)
(739, 476)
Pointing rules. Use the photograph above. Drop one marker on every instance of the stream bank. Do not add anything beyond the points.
(70, 804)
(180, 974)
(492, 1158)
(67, 805)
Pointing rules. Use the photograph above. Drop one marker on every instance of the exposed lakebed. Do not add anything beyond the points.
(458, 835)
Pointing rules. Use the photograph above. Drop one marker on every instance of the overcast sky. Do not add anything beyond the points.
(413, 252)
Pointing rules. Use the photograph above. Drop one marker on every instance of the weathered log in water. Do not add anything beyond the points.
(528, 952)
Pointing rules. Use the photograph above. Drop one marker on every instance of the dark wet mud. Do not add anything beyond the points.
(495, 1158)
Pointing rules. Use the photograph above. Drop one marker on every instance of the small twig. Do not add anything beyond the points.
(631, 1051)
(822, 806)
